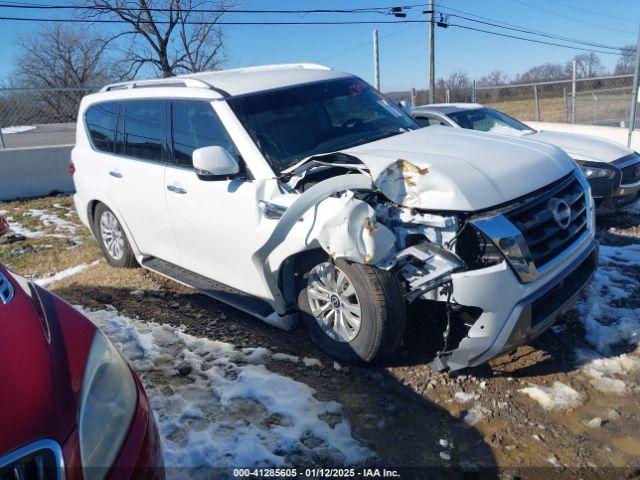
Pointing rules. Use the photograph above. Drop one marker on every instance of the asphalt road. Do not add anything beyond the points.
(42, 135)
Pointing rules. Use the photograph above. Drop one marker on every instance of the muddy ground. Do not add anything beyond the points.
(408, 415)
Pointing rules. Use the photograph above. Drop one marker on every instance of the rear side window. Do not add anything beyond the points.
(140, 129)
(101, 125)
(196, 125)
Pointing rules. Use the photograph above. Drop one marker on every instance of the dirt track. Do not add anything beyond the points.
(409, 416)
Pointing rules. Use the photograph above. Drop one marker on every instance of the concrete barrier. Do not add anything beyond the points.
(35, 171)
(617, 134)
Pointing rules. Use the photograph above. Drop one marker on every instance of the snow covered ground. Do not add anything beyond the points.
(54, 225)
(69, 272)
(611, 321)
(217, 406)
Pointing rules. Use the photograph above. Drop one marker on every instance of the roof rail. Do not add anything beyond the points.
(165, 82)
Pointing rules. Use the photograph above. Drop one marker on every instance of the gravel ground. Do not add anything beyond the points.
(476, 420)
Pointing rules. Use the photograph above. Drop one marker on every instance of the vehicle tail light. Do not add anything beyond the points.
(72, 168)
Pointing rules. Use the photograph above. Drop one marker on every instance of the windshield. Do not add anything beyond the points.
(489, 120)
(293, 123)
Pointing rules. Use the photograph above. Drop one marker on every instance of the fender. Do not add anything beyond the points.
(298, 208)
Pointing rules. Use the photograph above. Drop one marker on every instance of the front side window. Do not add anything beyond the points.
(489, 120)
(196, 125)
(100, 120)
(296, 122)
(140, 129)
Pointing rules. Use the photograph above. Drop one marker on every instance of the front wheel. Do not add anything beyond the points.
(353, 312)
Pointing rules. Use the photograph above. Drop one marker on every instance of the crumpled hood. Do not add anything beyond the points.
(583, 147)
(442, 168)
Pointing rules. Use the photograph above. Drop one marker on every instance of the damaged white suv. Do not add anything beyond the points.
(297, 191)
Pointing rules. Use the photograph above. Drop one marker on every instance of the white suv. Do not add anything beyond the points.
(297, 191)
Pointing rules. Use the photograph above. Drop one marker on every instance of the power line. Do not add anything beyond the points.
(193, 22)
(597, 25)
(537, 32)
(382, 10)
(466, 27)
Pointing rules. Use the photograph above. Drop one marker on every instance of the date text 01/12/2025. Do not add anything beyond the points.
(316, 473)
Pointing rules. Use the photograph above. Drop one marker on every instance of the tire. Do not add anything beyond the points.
(117, 252)
(382, 306)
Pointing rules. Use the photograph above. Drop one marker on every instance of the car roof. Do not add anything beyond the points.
(240, 81)
(446, 108)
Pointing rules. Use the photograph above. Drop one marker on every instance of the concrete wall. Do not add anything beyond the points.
(616, 134)
(35, 171)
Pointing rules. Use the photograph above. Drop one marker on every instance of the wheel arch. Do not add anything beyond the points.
(92, 205)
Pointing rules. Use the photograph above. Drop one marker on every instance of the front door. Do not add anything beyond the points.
(214, 222)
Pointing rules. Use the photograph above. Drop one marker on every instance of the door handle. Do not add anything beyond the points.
(174, 189)
(115, 174)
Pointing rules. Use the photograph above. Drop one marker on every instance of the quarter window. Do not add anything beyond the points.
(196, 125)
(140, 129)
(101, 125)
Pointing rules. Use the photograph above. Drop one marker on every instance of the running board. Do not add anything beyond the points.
(219, 291)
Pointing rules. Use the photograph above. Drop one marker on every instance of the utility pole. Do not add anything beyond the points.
(634, 93)
(376, 60)
(573, 92)
(432, 62)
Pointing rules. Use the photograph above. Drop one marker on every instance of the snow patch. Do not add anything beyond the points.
(311, 362)
(557, 397)
(223, 411)
(464, 397)
(285, 357)
(56, 277)
(609, 323)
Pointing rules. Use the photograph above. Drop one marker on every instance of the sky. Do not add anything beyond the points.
(403, 47)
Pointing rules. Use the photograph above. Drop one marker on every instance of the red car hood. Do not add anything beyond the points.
(44, 344)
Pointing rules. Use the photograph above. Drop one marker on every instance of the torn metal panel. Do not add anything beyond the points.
(296, 210)
(355, 234)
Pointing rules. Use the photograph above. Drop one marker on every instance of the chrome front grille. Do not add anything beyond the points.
(547, 235)
(535, 230)
(41, 460)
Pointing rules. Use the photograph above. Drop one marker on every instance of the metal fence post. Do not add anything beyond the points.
(573, 93)
(447, 95)
(473, 92)
(634, 93)
(376, 60)
(537, 100)
(566, 107)
(413, 97)
(1, 140)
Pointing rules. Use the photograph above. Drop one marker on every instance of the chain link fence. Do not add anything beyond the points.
(593, 101)
(38, 116)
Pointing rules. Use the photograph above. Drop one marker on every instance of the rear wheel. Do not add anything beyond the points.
(112, 239)
(353, 312)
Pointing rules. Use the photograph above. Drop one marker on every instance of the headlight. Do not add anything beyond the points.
(591, 172)
(107, 405)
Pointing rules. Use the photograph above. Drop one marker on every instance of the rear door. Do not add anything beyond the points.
(135, 176)
(214, 222)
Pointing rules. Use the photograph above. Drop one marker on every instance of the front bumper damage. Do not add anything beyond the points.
(513, 312)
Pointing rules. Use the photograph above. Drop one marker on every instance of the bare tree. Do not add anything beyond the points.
(587, 65)
(541, 73)
(172, 36)
(59, 63)
(627, 61)
(493, 79)
(458, 84)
